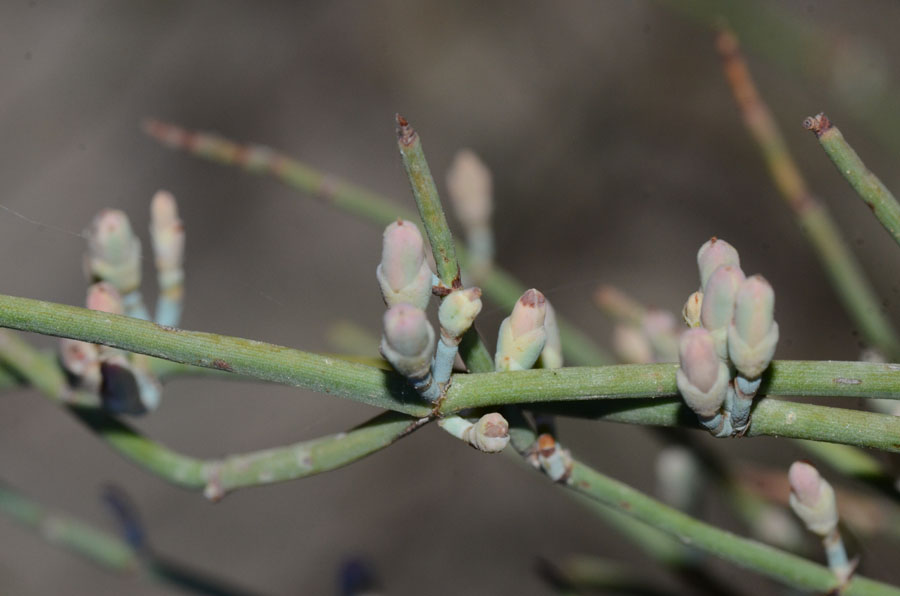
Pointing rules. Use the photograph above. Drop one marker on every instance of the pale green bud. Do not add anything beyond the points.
(404, 275)
(702, 378)
(679, 477)
(114, 252)
(408, 341)
(812, 498)
(714, 254)
(717, 309)
(490, 434)
(457, 313)
(470, 188)
(522, 335)
(754, 333)
(691, 311)
(631, 345)
(167, 235)
(551, 355)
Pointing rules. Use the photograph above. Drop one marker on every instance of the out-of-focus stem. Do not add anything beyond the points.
(65, 532)
(866, 184)
(843, 270)
(498, 285)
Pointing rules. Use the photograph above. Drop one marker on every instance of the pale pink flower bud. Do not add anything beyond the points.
(167, 233)
(753, 335)
(408, 340)
(812, 498)
(522, 334)
(490, 434)
(702, 378)
(631, 345)
(458, 311)
(717, 309)
(714, 254)
(404, 274)
(470, 188)
(691, 311)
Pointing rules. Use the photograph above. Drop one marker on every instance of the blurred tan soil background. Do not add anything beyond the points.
(616, 149)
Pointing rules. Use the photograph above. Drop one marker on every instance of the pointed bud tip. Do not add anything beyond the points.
(806, 482)
(533, 298)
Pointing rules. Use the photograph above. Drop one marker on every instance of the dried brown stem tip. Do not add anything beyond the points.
(405, 132)
(819, 124)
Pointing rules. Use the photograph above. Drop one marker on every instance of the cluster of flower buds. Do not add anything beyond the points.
(123, 381)
(812, 499)
(735, 315)
(409, 340)
(522, 334)
(489, 434)
(471, 193)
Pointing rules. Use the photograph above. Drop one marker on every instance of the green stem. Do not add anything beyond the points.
(498, 285)
(769, 561)
(771, 417)
(866, 184)
(101, 548)
(823, 233)
(429, 204)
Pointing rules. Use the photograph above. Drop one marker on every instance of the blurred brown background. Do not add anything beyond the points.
(616, 149)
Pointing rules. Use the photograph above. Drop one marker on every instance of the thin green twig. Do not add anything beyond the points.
(866, 184)
(766, 560)
(823, 233)
(497, 285)
(390, 391)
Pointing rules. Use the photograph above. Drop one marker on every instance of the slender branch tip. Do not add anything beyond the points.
(405, 132)
(819, 124)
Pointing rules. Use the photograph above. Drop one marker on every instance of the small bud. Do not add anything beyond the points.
(679, 477)
(522, 335)
(490, 434)
(470, 188)
(702, 378)
(104, 297)
(717, 309)
(691, 311)
(554, 460)
(457, 313)
(167, 234)
(81, 360)
(551, 355)
(754, 333)
(404, 275)
(631, 345)
(408, 340)
(812, 498)
(114, 252)
(659, 327)
(714, 254)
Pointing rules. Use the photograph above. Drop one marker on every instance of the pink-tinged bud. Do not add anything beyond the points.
(81, 360)
(522, 334)
(404, 274)
(717, 309)
(691, 311)
(702, 378)
(166, 232)
(470, 188)
(104, 297)
(408, 341)
(528, 314)
(458, 311)
(754, 334)
(490, 434)
(114, 252)
(714, 254)
(812, 498)
(631, 345)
